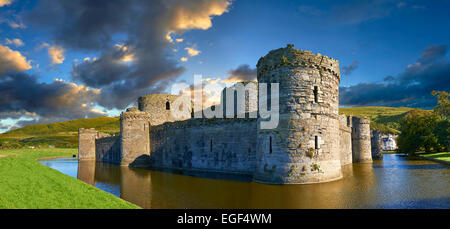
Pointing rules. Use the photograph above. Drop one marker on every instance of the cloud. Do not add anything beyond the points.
(410, 88)
(23, 95)
(347, 70)
(147, 65)
(5, 2)
(192, 51)
(56, 54)
(433, 53)
(16, 42)
(12, 60)
(184, 59)
(241, 73)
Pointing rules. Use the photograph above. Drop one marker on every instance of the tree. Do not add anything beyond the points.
(442, 132)
(443, 104)
(417, 131)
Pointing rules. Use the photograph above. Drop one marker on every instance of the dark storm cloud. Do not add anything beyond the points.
(242, 73)
(22, 95)
(410, 88)
(433, 53)
(347, 70)
(143, 31)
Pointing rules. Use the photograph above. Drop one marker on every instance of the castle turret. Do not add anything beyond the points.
(361, 146)
(160, 107)
(377, 152)
(135, 137)
(86, 143)
(304, 147)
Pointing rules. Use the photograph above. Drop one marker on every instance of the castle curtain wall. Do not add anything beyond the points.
(220, 145)
(108, 150)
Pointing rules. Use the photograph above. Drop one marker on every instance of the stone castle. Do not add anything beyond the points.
(310, 144)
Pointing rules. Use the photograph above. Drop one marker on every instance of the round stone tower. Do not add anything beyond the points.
(304, 147)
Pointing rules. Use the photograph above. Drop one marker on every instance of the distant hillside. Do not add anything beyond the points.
(385, 119)
(60, 134)
(65, 134)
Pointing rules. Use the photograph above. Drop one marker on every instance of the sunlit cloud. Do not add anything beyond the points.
(5, 2)
(192, 51)
(12, 60)
(16, 42)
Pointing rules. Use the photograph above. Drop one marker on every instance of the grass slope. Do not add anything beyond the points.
(385, 119)
(445, 156)
(27, 184)
(60, 134)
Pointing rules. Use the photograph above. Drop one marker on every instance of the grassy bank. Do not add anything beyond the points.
(445, 156)
(59, 134)
(26, 183)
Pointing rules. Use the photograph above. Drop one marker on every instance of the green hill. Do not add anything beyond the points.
(385, 119)
(65, 134)
(60, 134)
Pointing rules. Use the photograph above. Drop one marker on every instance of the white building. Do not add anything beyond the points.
(389, 143)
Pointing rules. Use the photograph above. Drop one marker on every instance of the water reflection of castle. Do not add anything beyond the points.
(153, 189)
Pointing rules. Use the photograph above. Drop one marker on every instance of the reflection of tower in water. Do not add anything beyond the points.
(135, 186)
(86, 171)
(354, 191)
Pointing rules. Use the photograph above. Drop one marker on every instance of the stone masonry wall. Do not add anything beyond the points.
(304, 148)
(86, 144)
(135, 138)
(361, 146)
(376, 143)
(218, 145)
(156, 106)
(108, 149)
(345, 140)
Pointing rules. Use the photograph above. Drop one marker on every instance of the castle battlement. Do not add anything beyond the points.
(134, 114)
(294, 58)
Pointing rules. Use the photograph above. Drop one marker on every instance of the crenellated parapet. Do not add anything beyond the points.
(295, 58)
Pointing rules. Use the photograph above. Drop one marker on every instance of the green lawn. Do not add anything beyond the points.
(390, 152)
(26, 183)
(445, 156)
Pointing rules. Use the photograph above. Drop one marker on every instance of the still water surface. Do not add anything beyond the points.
(394, 182)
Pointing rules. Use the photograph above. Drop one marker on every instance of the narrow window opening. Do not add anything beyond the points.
(211, 145)
(167, 105)
(316, 92)
(316, 140)
(270, 145)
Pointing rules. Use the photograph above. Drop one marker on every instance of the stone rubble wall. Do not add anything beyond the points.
(295, 157)
(108, 149)
(376, 144)
(345, 140)
(216, 145)
(361, 145)
(155, 106)
(135, 138)
(86, 143)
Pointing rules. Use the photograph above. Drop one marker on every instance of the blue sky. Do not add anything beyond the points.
(371, 39)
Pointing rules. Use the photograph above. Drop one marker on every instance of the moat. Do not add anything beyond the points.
(394, 182)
